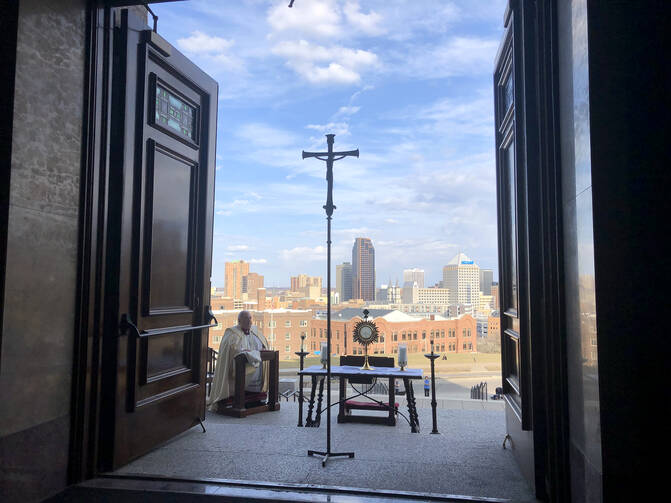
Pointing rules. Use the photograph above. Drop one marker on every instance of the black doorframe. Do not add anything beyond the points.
(541, 245)
(87, 355)
(549, 362)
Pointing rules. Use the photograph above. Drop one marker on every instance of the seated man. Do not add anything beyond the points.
(242, 338)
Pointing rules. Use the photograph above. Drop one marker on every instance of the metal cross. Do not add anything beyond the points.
(329, 157)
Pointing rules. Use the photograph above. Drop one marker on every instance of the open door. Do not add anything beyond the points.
(163, 134)
(511, 176)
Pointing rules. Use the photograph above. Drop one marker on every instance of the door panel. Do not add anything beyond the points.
(512, 229)
(165, 125)
(509, 218)
(171, 190)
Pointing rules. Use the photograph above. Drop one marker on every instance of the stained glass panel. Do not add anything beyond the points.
(174, 113)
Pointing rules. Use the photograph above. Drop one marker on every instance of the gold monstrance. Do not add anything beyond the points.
(365, 333)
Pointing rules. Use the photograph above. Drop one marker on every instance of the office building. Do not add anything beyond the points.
(414, 276)
(486, 280)
(344, 281)
(233, 278)
(461, 276)
(363, 269)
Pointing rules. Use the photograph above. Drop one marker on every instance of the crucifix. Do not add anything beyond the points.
(329, 157)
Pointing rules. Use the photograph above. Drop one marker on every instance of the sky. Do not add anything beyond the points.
(408, 83)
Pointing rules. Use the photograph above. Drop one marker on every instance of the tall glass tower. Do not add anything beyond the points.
(363, 269)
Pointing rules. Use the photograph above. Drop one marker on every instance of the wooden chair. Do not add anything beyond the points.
(211, 363)
(358, 361)
(238, 402)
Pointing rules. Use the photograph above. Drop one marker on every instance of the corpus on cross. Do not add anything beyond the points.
(329, 157)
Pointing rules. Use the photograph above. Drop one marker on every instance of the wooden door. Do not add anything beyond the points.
(161, 215)
(513, 236)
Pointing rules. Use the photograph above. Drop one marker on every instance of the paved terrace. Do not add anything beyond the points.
(466, 459)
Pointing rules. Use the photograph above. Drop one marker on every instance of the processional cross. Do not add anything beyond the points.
(329, 157)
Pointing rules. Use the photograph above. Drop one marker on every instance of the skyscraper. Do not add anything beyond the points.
(486, 279)
(344, 281)
(233, 275)
(413, 276)
(251, 283)
(462, 276)
(363, 269)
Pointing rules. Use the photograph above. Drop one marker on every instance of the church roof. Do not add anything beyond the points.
(350, 312)
(398, 316)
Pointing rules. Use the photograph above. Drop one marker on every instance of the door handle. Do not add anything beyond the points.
(125, 324)
(210, 315)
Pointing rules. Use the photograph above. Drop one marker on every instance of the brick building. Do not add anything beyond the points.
(457, 335)
(233, 278)
(494, 327)
(282, 327)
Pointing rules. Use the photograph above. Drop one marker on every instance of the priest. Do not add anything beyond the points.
(240, 339)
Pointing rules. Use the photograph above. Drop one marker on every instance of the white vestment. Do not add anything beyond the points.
(234, 342)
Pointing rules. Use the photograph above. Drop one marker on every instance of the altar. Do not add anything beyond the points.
(344, 372)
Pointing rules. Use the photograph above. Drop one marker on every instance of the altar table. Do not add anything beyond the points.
(344, 372)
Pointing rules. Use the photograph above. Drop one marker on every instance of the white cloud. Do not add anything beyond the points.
(347, 110)
(257, 261)
(214, 52)
(200, 42)
(260, 135)
(337, 128)
(320, 18)
(370, 23)
(304, 253)
(457, 56)
(319, 64)
(238, 248)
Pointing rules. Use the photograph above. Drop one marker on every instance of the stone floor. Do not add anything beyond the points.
(466, 459)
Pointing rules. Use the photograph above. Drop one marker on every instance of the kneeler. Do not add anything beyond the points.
(237, 404)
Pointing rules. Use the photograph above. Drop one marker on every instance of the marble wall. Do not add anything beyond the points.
(41, 269)
(581, 329)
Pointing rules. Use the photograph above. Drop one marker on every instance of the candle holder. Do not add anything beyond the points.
(402, 357)
(324, 356)
(301, 354)
(432, 356)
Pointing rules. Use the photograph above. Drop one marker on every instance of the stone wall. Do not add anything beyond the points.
(42, 246)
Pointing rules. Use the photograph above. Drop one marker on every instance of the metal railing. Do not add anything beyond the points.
(479, 392)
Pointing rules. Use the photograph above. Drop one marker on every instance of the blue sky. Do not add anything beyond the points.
(409, 83)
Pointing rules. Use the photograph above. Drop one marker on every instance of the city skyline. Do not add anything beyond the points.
(410, 87)
(295, 281)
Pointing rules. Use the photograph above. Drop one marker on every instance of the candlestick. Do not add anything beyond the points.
(323, 356)
(402, 356)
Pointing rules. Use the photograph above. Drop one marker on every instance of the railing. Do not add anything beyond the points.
(479, 392)
(211, 363)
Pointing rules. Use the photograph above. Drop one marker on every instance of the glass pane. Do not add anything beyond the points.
(513, 357)
(165, 352)
(511, 220)
(171, 210)
(174, 113)
(508, 96)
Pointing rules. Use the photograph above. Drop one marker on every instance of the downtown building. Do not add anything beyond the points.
(233, 278)
(461, 276)
(411, 276)
(344, 281)
(363, 270)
